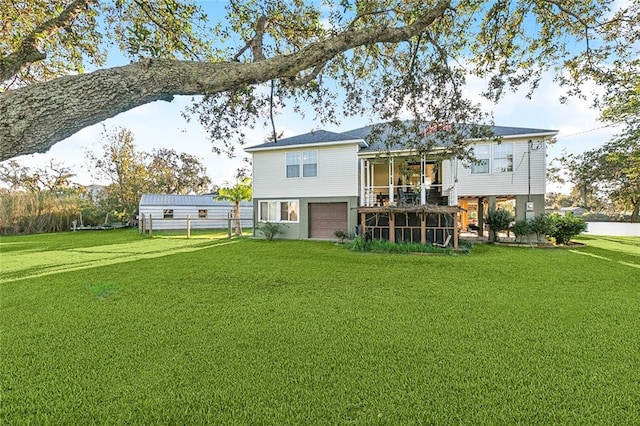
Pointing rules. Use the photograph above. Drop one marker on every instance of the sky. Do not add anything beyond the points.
(160, 125)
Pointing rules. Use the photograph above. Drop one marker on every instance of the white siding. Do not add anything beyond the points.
(507, 183)
(337, 173)
(217, 216)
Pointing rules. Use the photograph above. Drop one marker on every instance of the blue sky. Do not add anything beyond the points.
(160, 125)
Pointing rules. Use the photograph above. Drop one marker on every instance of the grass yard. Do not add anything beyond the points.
(112, 327)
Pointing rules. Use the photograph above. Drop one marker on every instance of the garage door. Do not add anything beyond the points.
(326, 218)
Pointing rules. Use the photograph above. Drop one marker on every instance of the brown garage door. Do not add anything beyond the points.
(326, 218)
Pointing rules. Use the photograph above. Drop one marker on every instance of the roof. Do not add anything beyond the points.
(313, 137)
(385, 132)
(184, 200)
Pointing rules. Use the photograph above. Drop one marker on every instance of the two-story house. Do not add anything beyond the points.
(320, 182)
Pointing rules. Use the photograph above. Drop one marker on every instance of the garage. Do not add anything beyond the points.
(326, 218)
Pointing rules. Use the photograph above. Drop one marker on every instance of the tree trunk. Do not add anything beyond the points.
(34, 118)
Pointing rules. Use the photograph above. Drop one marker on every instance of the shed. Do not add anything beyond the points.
(170, 211)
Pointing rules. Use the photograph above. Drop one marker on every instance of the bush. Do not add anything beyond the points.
(270, 230)
(498, 220)
(521, 228)
(567, 227)
(341, 235)
(542, 225)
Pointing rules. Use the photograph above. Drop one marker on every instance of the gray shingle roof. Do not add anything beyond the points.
(385, 131)
(316, 136)
(184, 200)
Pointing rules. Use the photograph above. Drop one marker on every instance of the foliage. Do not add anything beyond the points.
(270, 230)
(131, 173)
(498, 220)
(542, 225)
(521, 228)
(341, 235)
(566, 227)
(387, 58)
(235, 194)
(384, 246)
(610, 172)
(279, 321)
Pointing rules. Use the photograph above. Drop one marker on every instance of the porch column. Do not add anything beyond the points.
(362, 177)
(423, 181)
(480, 216)
(423, 228)
(391, 177)
(363, 224)
(455, 230)
(392, 227)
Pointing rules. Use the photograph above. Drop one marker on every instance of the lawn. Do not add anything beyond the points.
(112, 327)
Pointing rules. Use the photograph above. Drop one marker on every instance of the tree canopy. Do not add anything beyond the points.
(381, 58)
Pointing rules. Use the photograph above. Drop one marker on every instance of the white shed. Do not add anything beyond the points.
(170, 211)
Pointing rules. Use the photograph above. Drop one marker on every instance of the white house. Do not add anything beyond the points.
(320, 182)
(171, 211)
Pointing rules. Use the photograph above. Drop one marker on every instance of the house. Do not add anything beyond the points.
(322, 181)
(171, 211)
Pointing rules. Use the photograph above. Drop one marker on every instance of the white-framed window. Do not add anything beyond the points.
(293, 164)
(502, 158)
(279, 211)
(482, 154)
(492, 158)
(309, 163)
(203, 214)
(302, 164)
(167, 214)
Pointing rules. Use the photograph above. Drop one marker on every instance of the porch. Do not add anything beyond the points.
(401, 180)
(437, 225)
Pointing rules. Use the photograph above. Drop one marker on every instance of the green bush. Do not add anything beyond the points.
(521, 229)
(341, 235)
(270, 230)
(567, 227)
(498, 220)
(542, 225)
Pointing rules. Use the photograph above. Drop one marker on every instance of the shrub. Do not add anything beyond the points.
(341, 235)
(542, 225)
(567, 227)
(521, 228)
(498, 220)
(270, 230)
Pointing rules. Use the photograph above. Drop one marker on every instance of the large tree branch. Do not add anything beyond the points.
(34, 118)
(28, 52)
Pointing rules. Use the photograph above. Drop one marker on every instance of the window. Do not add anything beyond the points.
(494, 158)
(482, 155)
(278, 211)
(502, 160)
(310, 164)
(167, 213)
(203, 214)
(293, 164)
(307, 161)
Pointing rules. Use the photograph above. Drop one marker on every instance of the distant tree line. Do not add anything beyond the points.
(46, 199)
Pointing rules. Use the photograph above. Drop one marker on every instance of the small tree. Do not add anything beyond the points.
(567, 227)
(498, 220)
(241, 191)
(270, 230)
(521, 228)
(542, 225)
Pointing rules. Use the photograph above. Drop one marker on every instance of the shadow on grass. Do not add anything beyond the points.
(24, 265)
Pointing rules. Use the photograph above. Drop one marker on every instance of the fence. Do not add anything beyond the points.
(150, 223)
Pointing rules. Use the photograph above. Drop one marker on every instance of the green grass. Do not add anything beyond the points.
(112, 327)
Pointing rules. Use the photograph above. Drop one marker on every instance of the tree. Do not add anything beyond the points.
(125, 168)
(387, 57)
(177, 173)
(235, 194)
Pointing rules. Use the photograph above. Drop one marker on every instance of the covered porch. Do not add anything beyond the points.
(401, 180)
(437, 225)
